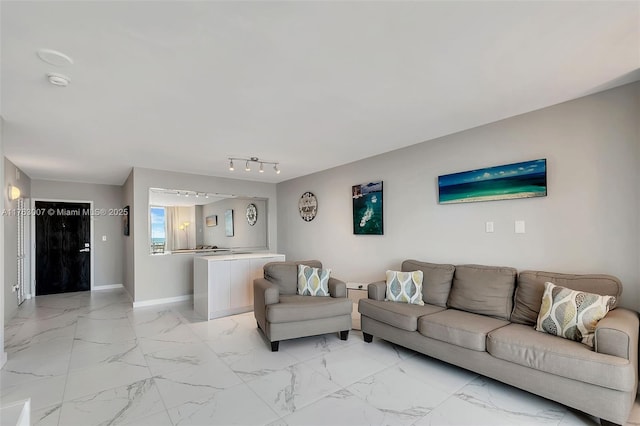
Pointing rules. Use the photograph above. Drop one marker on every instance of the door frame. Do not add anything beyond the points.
(33, 239)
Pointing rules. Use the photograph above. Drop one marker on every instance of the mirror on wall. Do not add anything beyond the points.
(185, 221)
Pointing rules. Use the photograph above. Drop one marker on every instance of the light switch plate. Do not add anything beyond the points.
(519, 227)
(488, 227)
(104, 238)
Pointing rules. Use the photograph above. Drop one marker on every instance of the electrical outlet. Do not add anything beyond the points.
(488, 227)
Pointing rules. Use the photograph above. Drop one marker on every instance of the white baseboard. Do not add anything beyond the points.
(162, 301)
(106, 287)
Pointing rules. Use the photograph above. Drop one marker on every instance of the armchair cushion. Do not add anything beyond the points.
(313, 281)
(303, 308)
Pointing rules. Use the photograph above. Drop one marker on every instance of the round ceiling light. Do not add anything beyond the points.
(58, 79)
(53, 57)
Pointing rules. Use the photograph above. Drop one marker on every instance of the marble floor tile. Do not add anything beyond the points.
(120, 405)
(47, 416)
(516, 405)
(91, 380)
(416, 399)
(180, 334)
(292, 388)
(152, 322)
(43, 393)
(176, 356)
(234, 406)
(305, 348)
(346, 366)
(104, 330)
(195, 383)
(342, 408)
(159, 419)
(36, 361)
(89, 354)
(258, 362)
(436, 373)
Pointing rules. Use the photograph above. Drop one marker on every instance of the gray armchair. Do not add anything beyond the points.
(282, 314)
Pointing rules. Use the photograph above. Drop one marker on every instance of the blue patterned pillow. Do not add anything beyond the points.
(313, 281)
(405, 287)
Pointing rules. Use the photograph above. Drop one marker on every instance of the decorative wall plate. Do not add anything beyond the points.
(308, 206)
(252, 214)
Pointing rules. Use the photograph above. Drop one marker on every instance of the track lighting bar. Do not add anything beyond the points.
(248, 161)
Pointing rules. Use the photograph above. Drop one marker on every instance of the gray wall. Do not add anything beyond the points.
(107, 255)
(244, 235)
(171, 275)
(588, 223)
(23, 182)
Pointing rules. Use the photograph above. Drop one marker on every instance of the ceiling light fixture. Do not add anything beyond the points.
(248, 161)
(53, 57)
(59, 80)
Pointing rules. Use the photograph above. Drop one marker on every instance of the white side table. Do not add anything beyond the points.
(356, 292)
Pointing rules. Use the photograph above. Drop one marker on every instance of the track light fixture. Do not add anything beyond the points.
(248, 161)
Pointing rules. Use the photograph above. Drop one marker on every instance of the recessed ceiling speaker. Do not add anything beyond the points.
(53, 57)
(58, 79)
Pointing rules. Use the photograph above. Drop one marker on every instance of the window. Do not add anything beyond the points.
(158, 229)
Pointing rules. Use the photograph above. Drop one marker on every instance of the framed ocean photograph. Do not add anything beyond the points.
(228, 223)
(519, 180)
(212, 220)
(367, 209)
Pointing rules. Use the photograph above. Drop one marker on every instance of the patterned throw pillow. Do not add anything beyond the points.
(572, 314)
(313, 281)
(405, 287)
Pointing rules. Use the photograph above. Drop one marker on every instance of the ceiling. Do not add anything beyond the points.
(183, 85)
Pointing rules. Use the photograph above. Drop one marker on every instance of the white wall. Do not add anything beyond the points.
(244, 235)
(107, 257)
(168, 276)
(588, 223)
(15, 177)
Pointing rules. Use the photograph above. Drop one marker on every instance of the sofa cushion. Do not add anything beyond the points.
(522, 345)
(484, 290)
(572, 314)
(531, 286)
(302, 308)
(459, 328)
(436, 281)
(285, 274)
(313, 281)
(404, 287)
(400, 315)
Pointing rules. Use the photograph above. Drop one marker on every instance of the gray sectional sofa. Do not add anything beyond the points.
(483, 319)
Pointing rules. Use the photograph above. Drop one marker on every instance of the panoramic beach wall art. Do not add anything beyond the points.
(367, 209)
(519, 180)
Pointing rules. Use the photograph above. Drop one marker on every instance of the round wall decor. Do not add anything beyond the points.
(252, 214)
(308, 206)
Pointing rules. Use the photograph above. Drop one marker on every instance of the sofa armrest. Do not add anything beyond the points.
(617, 334)
(377, 290)
(264, 293)
(337, 288)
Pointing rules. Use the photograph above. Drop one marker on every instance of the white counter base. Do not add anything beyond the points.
(223, 285)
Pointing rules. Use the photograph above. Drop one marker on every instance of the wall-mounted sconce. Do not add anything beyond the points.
(13, 192)
(248, 161)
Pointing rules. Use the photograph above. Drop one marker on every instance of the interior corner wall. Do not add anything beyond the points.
(3, 354)
(171, 275)
(16, 177)
(588, 223)
(128, 252)
(107, 258)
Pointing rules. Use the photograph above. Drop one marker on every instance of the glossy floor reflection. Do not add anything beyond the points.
(91, 359)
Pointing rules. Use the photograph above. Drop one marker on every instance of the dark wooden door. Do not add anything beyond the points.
(63, 251)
